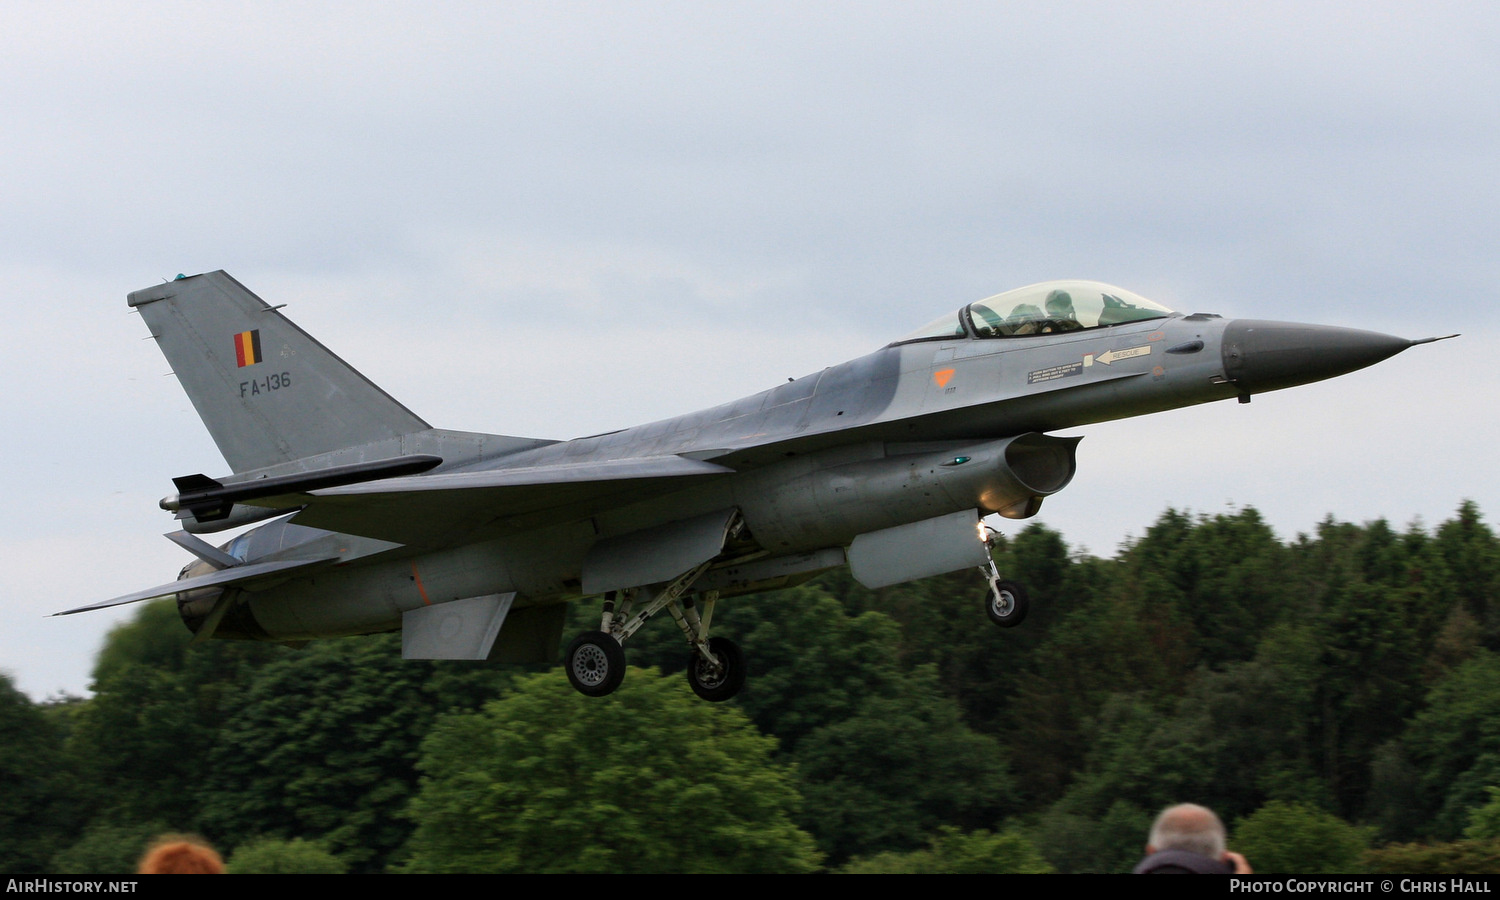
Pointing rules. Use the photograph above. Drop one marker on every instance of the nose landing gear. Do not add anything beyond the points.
(1007, 603)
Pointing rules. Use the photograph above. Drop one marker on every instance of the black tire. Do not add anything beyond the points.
(718, 685)
(1008, 609)
(595, 663)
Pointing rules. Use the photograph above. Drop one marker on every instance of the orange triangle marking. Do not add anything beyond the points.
(941, 377)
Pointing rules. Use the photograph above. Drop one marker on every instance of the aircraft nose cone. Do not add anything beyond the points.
(1268, 356)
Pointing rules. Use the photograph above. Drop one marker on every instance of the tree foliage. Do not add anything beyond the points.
(276, 856)
(1455, 742)
(1451, 858)
(952, 852)
(1291, 838)
(652, 780)
(105, 848)
(896, 770)
(36, 802)
(325, 745)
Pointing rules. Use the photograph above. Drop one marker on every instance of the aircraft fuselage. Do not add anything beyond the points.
(463, 541)
(854, 448)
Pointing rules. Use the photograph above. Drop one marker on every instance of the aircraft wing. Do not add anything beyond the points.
(232, 575)
(434, 510)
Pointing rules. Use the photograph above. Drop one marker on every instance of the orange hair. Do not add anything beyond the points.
(176, 854)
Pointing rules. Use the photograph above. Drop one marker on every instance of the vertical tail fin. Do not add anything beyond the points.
(266, 390)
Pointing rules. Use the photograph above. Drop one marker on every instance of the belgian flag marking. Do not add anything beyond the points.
(247, 348)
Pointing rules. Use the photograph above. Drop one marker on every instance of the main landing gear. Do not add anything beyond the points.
(1006, 603)
(595, 661)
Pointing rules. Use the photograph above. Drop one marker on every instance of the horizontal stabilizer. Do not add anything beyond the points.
(219, 578)
(203, 550)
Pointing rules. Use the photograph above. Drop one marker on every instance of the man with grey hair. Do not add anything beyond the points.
(1188, 839)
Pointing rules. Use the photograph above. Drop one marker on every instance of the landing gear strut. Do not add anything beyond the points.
(1007, 603)
(595, 661)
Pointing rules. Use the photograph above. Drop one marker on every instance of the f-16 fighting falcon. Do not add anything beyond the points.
(469, 544)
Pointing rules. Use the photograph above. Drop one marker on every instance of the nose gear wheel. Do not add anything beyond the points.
(1006, 604)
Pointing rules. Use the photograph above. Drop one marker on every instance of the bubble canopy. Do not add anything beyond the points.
(1051, 307)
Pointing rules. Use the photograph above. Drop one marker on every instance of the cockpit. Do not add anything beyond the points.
(1052, 307)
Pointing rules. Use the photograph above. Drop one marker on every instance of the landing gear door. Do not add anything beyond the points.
(907, 552)
(657, 554)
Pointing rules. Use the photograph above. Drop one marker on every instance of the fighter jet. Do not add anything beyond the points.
(470, 544)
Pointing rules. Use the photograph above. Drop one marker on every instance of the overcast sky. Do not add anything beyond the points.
(554, 219)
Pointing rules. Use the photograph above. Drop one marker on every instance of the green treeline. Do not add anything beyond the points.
(1335, 698)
